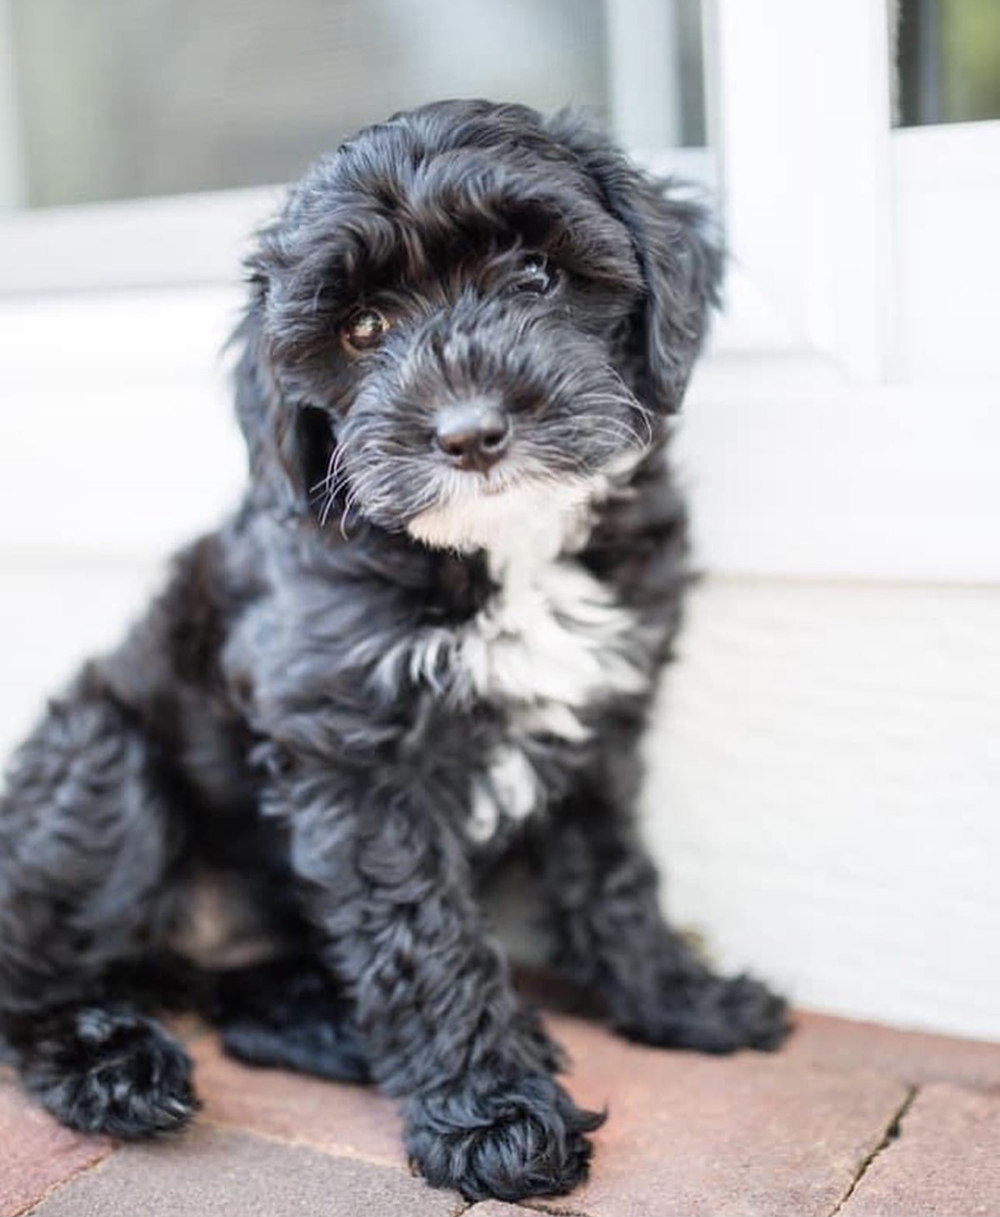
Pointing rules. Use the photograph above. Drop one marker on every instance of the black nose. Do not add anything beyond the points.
(474, 434)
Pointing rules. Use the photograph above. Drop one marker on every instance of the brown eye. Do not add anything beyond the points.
(364, 330)
(536, 275)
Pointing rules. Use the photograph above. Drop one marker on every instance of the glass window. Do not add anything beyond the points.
(947, 61)
(122, 98)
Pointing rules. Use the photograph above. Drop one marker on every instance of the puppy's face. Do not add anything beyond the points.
(452, 324)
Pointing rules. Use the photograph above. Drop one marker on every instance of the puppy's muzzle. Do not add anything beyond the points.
(473, 434)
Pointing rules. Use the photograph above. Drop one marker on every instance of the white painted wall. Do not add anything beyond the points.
(825, 767)
(56, 609)
(824, 773)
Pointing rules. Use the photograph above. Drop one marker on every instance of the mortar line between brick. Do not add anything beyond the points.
(888, 1136)
(551, 1210)
(341, 1151)
(51, 1190)
(297, 1142)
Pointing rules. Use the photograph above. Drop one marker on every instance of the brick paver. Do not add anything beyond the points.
(916, 1057)
(944, 1163)
(335, 1117)
(36, 1153)
(801, 1133)
(213, 1172)
(690, 1135)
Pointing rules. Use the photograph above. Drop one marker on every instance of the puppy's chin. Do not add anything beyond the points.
(543, 518)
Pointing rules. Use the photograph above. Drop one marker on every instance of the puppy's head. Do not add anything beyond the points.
(463, 313)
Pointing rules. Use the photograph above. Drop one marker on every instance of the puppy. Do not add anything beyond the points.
(425, 643)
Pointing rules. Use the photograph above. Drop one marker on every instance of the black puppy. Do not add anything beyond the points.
(427, 640)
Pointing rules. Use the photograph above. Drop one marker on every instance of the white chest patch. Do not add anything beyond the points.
(552, 641)
(550, 644)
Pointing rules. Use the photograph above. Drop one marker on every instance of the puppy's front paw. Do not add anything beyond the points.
(507, 1141)
(710, 1014)
(110, 1071)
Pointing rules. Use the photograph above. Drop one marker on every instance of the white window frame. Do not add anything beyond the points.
(816, 351)
(853, 447)
(198, 238)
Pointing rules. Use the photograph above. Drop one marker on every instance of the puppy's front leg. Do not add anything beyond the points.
(442, 1027)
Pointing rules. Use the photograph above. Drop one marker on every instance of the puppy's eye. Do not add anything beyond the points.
(535, 275)
(363, 330)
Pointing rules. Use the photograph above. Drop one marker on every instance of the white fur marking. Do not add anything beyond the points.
(544, 514)
(509, 787)
(428, 657)
(551, 642)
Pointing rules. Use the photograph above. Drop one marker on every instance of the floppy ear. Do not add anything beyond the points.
(679, 252)
(277, 432)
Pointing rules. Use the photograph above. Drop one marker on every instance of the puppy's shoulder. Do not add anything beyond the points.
(639, 542)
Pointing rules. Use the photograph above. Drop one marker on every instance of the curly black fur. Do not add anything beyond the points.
(405, 658)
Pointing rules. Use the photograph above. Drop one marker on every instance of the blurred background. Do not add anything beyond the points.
(825, 764)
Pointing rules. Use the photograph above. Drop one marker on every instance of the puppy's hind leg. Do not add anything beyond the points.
(611, 936)
(289, 1013)
(85, 841)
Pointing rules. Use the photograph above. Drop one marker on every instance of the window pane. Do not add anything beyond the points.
(119, 98)
(948, 61)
